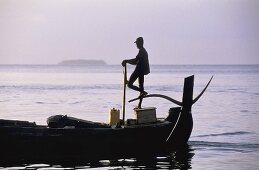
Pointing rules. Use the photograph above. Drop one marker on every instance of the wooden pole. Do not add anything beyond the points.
(124, 91)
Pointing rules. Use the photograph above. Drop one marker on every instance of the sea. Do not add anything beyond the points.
(226, 118)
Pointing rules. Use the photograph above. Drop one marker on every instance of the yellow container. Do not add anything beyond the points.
(114, 116)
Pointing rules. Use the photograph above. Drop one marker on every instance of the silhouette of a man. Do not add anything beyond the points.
(142, 67)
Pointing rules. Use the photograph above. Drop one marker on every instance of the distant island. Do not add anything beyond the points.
(82, 62)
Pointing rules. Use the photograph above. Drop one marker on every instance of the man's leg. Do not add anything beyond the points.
(141, 85)
(132, 79)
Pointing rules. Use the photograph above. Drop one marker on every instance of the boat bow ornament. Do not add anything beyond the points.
(174, 100)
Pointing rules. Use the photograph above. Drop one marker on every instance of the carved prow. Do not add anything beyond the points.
(187, 94)
(197, 98)
(162, 96)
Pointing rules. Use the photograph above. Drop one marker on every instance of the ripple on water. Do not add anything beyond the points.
(244, 111)
(224, 146)
(226, 134)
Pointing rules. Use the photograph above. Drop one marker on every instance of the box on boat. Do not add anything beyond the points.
(145, 115)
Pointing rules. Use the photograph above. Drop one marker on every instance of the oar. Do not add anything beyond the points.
(124, 91)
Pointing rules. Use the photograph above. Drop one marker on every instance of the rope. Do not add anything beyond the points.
(174, 127)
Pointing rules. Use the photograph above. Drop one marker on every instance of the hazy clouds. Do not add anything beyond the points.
(175, 32)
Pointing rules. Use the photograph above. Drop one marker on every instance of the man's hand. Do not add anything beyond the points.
(124, 62)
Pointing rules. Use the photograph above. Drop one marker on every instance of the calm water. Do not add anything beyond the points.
(226, 128)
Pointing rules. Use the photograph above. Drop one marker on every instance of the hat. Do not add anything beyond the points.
(140, 40)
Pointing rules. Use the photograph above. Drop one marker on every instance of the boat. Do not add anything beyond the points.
(66, 138)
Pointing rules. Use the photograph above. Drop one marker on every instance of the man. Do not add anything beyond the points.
(142, 67)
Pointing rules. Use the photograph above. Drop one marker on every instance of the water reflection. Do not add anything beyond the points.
(177, 159)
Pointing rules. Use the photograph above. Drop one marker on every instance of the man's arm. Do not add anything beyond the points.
(133, 61)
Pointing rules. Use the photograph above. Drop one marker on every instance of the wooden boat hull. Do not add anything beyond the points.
(92, 143)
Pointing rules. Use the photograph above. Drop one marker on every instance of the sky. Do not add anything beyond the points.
(174, 31)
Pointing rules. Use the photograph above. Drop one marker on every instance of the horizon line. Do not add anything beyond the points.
(120, 64)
